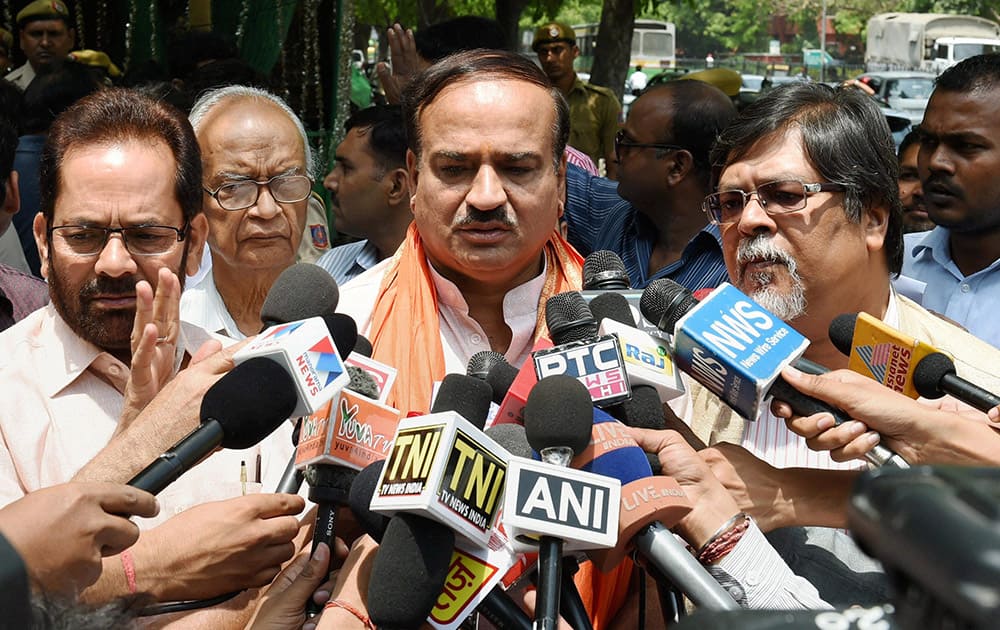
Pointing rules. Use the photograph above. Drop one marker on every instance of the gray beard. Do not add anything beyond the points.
(786, 306)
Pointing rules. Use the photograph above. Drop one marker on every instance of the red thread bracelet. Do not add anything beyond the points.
(129, 568)
(363, 618)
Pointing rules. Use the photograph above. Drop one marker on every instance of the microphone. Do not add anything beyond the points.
(301, 291)
(308, 352)
(408, 572)
(482, 362)
(651, 372)
(469, 573)
(383, 376)
(903, 363)
(558, 416)
(442, 466)
(737, 349)
(363, 347)
(604, 270)
(578, 351)
(511, 386)
(239, 410)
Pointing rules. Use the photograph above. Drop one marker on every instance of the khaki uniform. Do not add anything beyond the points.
(22, 76)
(594, 113)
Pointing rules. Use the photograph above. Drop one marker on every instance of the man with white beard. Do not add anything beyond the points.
(811, 225)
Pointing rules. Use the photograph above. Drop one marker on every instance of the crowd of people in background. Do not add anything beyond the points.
(143, 224)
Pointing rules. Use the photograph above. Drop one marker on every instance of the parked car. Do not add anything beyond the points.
(902, 91)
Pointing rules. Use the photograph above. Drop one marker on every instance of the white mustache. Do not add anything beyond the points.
(761, 247)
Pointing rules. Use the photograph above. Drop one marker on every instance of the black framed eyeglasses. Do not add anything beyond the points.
(779, 197)
(623, 143)
(140, 240)
(240, 195)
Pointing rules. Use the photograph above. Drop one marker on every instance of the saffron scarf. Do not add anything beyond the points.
(405, 333)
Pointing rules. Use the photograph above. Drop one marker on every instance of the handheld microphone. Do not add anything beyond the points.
(511, 386)
(363, 347)
(558, 417)
(442, 466)
(903, 363)
(604, 270)
(239, 410)
(650, 368)
(301, 291)
(578, 351)
(307, 351)
(737, 349)
(409, 570)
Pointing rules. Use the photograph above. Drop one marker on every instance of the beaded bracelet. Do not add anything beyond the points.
(723, 541)
(363, 618)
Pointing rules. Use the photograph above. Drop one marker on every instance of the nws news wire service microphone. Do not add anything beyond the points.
(903, 363)
(239, 410)
(737, 349)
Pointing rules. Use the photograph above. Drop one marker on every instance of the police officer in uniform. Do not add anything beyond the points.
(46, 37)
(594, 111)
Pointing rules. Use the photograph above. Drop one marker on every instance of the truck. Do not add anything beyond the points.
(931, 42)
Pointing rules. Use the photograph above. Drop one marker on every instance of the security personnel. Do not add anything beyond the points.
(46, 35)
(594, 111)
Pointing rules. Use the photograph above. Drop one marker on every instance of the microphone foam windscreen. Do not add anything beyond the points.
(612, 306)
(360, 497)
(604, 269)
(500, 377)
(362, 382)
(466, 395)
(569, 318)
(302, 291)
(558, 412)
(664, 302)
(512, 437)
(928, 373)
(362, 346)
(409, 571)
(343, 330)
(842, 332)
(250, 402)
(482, 362)
(643, 410)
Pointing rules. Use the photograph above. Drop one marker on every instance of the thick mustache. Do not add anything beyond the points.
(497, 215)
(109, 287)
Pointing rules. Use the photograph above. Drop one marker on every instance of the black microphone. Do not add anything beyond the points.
(557, 421)
(482, 362)
(664, 302)
(934, 376)
(363, 347)
(497, 606)
(239, 410)
(569, 319)
(604, 270)
(409, 571)
(301, 291)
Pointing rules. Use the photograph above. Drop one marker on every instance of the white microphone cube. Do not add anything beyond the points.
(579, 507)
(647, 359)
(441, 466)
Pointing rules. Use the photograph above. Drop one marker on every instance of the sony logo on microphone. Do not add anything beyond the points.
(599, 365)
(409, 464)
(472, 482)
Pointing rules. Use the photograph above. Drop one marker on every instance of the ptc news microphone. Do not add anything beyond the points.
(737, 349)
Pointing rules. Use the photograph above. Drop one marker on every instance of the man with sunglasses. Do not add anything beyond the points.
(811, 224)
(652, 216)
(257, 179)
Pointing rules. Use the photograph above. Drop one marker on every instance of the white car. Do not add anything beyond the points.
(903, 91)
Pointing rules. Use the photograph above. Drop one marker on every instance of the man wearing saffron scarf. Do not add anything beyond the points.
(486, 134)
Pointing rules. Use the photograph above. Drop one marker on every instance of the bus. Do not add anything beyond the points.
(654, 45)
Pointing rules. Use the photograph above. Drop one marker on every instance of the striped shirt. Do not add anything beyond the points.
(599, 219)
(347, 261)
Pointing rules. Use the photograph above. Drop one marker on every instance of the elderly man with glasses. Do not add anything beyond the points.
(257, 178)
(652, 216)
(811, 224)
(90, 383)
